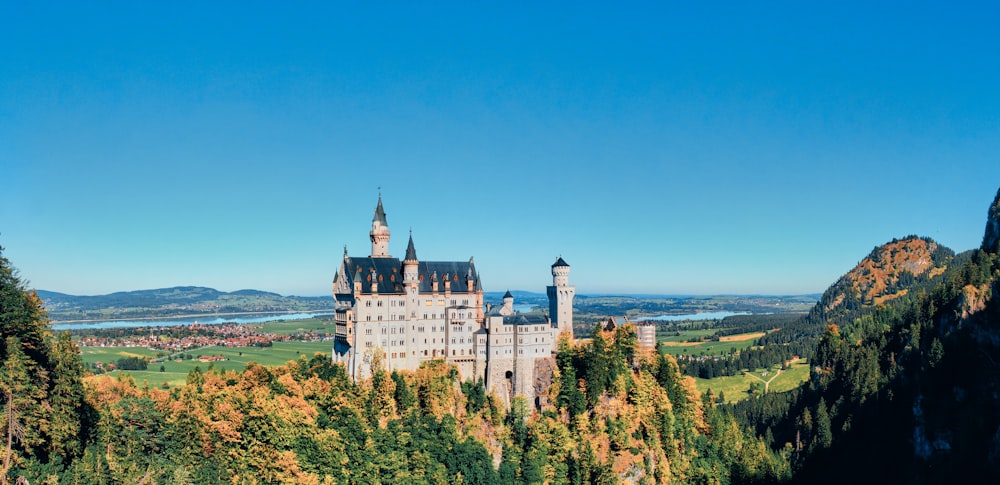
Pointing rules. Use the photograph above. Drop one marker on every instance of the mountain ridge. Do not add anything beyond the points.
(173, 301)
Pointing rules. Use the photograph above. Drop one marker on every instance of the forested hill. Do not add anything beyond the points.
(179, 300)
(905, 379)
(890, 271)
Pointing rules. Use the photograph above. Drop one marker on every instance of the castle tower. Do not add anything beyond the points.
(410, 265)
(561, 297)
(380, 232)
(508, 304)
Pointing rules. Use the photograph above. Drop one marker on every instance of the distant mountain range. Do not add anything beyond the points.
(176, 301)
(198, 300)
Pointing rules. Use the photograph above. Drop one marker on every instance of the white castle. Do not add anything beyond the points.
(413, 311)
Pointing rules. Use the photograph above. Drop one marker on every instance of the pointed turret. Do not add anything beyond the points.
(380, 232)
(411, 252)
(380, 213)
(357, 281)
(411, 267)
(508, 304)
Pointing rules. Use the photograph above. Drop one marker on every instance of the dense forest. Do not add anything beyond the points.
(613, 416)
(904, 389)
(905, 382)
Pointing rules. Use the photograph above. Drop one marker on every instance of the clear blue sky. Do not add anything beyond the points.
(671, 147)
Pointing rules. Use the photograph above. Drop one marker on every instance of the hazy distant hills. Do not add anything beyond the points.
(197, 300)
(176, 301)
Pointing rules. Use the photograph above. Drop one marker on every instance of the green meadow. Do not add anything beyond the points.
(736, 388)
(175, 371)
(290, 327)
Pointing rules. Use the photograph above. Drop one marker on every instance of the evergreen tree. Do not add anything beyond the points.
(67, 399)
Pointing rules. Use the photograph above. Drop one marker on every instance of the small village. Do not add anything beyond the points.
(184, 337)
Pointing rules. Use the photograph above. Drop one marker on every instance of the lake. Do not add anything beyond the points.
(694, 316)
(204, 320)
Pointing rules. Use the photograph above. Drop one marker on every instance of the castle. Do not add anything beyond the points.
(403, 313)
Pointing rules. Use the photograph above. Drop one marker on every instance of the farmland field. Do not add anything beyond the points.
(175, 371)
(680, 345)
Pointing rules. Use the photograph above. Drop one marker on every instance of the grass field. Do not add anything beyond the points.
(289, 327)
(735, 388)
(175, 372)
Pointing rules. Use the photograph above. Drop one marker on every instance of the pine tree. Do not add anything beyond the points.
(66, 399)
(824, 431)
(18, 394)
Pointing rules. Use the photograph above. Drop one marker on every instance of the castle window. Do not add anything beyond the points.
(440, 302)
(427, 303)
(380, 318)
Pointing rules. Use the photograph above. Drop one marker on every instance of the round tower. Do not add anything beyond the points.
(380, 232)
(561, 297)
(508, 304)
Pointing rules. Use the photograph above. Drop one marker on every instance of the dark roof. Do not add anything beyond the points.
(380, 213)
(507, 295)
(411, 252)
(525, 320)
(387, 273)
(456, 271)
(559, 262)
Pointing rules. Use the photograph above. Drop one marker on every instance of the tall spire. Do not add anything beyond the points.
(380, 232)
(380, 213)
(411, 252)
